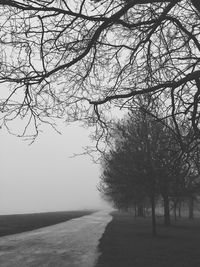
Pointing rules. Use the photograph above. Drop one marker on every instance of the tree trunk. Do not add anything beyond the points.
(135, 210)
(175, 206)
(191, 207)
(140, 210)
(166, 209)
(153, 215)
(179, 209)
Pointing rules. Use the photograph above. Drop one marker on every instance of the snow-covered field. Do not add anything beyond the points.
(69, 244)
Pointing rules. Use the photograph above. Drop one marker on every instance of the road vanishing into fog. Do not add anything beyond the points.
(70, 244)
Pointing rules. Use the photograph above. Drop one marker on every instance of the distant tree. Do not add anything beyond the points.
(121, 181)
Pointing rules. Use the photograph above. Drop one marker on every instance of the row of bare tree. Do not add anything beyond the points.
(147, 163)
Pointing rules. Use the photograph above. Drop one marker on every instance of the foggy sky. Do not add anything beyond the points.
(42, 177)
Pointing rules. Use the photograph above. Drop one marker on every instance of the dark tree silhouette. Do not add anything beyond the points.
(146, 162)
(77, 59)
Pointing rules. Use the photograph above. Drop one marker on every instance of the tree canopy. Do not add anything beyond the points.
(72, 59)
(146, 162)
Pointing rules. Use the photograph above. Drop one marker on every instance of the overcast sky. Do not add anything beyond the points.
(42, 176)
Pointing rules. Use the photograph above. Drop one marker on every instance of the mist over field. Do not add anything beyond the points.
(43, 177)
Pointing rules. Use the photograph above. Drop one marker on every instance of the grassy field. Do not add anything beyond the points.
(127, 242)
(12, 224)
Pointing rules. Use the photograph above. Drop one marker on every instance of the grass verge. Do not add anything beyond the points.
(127, 242)
(13, 224)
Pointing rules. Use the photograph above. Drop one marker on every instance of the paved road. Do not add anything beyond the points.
(69, 244)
